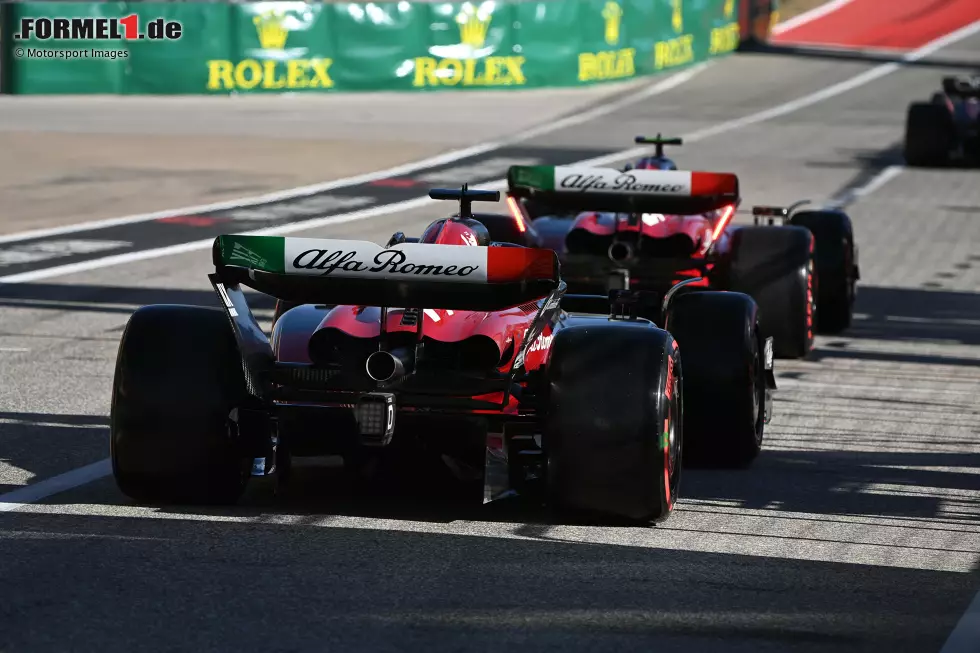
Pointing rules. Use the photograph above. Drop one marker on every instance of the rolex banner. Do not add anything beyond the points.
(277, 47)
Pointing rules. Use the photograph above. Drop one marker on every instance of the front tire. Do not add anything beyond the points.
(614, 425)
(178, 377)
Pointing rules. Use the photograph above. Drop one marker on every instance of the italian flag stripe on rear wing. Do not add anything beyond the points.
(512, 264)
(713, 183)
(357, 259)
(653, 183)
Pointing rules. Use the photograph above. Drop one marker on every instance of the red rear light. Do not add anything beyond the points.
(726, 217)
(515, 210)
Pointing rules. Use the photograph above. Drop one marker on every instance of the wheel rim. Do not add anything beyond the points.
(811, 304)
(673, 436)
(673, 442)
(758, 384)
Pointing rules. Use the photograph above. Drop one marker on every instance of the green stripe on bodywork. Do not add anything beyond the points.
(538, 177)
(265, 253)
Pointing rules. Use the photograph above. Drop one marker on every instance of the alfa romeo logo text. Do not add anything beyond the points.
(390, 260)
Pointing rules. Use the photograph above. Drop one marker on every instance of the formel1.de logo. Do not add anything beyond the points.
(97, 29)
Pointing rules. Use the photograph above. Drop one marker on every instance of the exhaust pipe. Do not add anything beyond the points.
(620, 252)
(385, 366)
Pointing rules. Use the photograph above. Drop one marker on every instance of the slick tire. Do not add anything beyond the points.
(178, 376)
(718, 337)
(929, 135)
(614, 424)
(835, 261)
(775, 266)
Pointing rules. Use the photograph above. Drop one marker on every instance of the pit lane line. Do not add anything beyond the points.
(851, 195)
(12, 501)
(730, 125)
(964, 636)
(666, 84)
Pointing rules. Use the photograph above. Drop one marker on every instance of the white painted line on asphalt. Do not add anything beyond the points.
(183, 248)
(666, 84)
(721, 128)
(18, 499)
(880, 180)
(965, 637)
(853, 194)
(809, 16)
(67, 481)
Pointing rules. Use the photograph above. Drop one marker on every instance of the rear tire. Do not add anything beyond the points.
(724, 376)
(774, 265)
(614, 425)
(928, 134)
(835, 261)
(178, 377)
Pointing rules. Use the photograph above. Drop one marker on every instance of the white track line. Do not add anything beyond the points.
(965, 635)
(18, 499)
(666, 84)
(731, 125)
(809, 16)
(853, 194)
(75, 478)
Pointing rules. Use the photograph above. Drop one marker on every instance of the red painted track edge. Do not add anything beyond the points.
(895, 25)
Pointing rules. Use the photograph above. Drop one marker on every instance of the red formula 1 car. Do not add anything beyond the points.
(447, 346)
(802, 273)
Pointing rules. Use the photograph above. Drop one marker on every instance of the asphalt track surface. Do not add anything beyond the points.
(858, 528)
(95, 157)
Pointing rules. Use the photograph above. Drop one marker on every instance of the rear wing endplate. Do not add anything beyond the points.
(769, 214)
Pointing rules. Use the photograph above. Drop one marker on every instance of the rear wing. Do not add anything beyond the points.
(659, 141)
(410, 275)
(962, 86)
(770, 214)
(635, 191)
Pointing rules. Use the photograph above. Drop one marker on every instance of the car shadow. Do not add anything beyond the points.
(910, 315)
(168, 583)
(886, 314)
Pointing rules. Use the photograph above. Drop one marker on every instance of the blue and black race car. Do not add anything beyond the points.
(945, 130)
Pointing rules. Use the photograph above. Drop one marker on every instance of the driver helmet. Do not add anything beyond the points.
(456, 231)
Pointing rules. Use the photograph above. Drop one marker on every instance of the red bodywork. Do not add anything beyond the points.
(677, 236)
(506, 329)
